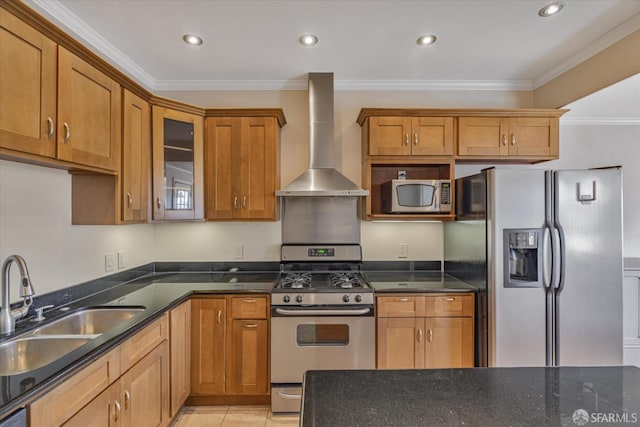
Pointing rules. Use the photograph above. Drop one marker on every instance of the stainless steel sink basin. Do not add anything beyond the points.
(26, 354)
(91, 321)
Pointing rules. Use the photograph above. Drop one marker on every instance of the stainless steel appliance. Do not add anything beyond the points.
(416, 195)
(570, 315)
(322, 317)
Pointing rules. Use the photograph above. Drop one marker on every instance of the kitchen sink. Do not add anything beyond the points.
(90, 321)
(26, 354)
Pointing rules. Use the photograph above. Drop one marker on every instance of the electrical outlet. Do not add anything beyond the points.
(122, 259)
(109, 261)
(403, 250)
(402, 174)
(238, 251)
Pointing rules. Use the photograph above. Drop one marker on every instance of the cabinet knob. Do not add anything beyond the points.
(513, 139)
(51, 127)
(504, 139)
(67, 132)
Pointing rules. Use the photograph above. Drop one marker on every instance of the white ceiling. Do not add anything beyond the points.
(368, 44)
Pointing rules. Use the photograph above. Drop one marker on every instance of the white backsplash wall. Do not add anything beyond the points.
(381, 240)
(35, 222)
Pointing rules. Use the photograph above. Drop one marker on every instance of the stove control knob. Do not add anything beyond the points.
(345, 298)
(358, 298)
(299, 299)
(286, 298)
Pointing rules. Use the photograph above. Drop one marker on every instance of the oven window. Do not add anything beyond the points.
(322, 335)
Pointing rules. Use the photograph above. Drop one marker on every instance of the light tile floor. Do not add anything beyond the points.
(232, 416)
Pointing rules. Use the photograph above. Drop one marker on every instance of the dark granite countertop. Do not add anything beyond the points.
(416, 281)
(157, 292)
(472, 397)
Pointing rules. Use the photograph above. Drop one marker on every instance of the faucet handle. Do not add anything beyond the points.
(39, 316)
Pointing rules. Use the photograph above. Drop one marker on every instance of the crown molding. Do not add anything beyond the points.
(613, 36)
(600, 121)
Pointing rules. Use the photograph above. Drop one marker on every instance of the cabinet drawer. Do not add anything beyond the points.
(249, 307)
(136, 347)
(58, 405)
(449, 305)
(401, 306)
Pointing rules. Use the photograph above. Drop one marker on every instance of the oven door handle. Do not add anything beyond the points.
(306, 312)
(289, 396)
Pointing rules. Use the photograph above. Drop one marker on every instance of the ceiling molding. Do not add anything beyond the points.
(91, 38)
(600, 121)
(613, 36)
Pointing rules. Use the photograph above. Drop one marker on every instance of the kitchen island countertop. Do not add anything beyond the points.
(564, 396)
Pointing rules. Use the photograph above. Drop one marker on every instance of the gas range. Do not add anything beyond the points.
(321, 275)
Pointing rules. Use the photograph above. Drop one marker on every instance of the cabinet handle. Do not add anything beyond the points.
(127, 399)
(449, 299)
(248, 300)
(419, 335)
(430, 336)
(158, 202)
(504, 139)
(402, 299)
(67, 132)
(51, 127)
(406, 139)
(252, 325)
(513, 139)
(415, 138)
(235, 202)
(129, 199)
(116, 411)
(244, 202)
(219, 317)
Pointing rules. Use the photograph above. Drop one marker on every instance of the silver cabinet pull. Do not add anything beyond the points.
(244, 202)
(430, 336)
(129, 199)
(406, 139)
(419, 335)
(235, 202)
(513, 139)
(127, 399)
(249, 300)
(252, 325)
(402, 299)
(449, 299)
(67, 132)
(158, 202)
(51, 127)
(116, 411)
(415, 138)
(504, 139)
(219, 317)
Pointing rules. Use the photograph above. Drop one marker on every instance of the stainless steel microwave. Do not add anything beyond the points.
(416, 196)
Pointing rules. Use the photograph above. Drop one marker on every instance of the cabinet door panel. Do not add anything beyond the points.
(389, 136)
(482, 136)
(103, 411)
(136, 149)
(28, 87)
(533, 136)
(222, 176)
(432, 136)
(400, 343)
(449, 342)
(248, 358)
(208, 339)
(258, 163)
(88, 114)
(180, 330)
(401, 306)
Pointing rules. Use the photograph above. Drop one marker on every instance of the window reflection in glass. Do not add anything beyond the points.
(178, 165)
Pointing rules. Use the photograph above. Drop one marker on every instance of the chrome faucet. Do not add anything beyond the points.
(8, 317)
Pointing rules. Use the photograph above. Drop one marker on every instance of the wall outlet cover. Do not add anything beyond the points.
(403, 250)
(109, 262)
(122, 259)
(238, 251)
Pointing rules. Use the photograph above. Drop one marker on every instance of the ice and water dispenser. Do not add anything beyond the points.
(522, 258)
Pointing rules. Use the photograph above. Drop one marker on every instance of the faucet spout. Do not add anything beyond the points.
(8, 317)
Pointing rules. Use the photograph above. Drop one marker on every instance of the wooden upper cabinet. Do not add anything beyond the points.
(241, 168)
(418, 136)
(136, 158)
(526, 138)
(88, 114)
(28, 66)
(177, 165)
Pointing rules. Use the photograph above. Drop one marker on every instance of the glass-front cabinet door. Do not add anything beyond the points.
(177, 165)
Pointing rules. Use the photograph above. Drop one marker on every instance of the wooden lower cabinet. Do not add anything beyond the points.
(230, 350)
(435, 331)
(103, 411)
(180, 339)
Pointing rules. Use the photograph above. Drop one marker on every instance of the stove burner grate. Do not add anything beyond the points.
(346, 280)
(296, 280)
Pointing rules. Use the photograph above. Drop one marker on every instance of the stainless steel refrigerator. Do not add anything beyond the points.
(549, 247)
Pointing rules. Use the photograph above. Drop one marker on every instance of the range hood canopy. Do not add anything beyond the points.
(321, 178)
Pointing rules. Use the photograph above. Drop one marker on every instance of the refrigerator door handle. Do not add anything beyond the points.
(548, 258)
(548, 247)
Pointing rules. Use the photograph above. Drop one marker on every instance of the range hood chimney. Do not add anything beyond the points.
(321, 178)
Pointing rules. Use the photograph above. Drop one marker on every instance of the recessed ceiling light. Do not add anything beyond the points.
(308, 39)
(551, 9)
(425, 40)
(192, 39)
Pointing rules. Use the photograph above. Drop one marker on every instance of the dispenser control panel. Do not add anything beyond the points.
(522, 258)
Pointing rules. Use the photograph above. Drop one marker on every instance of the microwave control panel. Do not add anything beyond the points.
(445, 193)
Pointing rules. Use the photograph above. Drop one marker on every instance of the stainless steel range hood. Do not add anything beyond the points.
(321, 179)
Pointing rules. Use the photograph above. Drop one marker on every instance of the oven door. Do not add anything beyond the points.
(320, 338)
